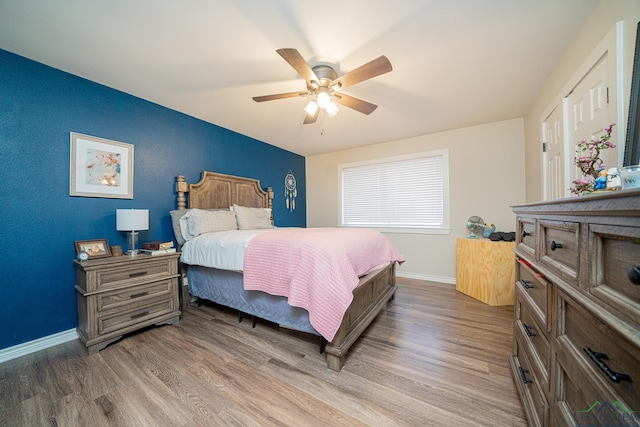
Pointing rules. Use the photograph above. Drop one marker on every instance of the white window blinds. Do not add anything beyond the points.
(404, 193)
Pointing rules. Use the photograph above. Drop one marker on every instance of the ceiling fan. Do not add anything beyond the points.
(324, 85)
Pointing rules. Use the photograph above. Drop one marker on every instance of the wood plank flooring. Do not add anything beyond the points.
(433, 357)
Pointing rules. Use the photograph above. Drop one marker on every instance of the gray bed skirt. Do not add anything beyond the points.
(225, 288)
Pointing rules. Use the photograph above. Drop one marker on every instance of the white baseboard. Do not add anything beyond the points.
(439, 279)
(37, 345)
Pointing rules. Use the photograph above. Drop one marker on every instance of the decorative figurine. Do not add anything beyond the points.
(601, 180)
(613, 179)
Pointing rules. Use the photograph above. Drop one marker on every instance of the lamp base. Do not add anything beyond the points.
(132, 242)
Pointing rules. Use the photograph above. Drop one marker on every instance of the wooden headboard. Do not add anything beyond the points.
(220, 191)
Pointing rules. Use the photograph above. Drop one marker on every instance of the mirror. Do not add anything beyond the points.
(632, 143)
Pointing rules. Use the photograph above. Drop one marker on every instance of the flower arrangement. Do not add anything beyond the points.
(589, 162)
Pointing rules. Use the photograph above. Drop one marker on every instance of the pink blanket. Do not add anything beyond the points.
(316, 268)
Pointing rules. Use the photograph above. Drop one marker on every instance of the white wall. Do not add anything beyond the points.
(601, 21)
(486, 165)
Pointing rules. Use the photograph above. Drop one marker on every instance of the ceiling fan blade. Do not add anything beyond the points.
(293, 57)
(278, 96)
(354, 103)
(309, 119)
(367, 71)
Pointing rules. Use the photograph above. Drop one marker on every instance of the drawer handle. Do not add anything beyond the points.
(634, 275)
(555, 245)
(142, 313)
(137, 274)
(526, 284)
(616, 377)
(525, 234)
(527, 330)
(139, 294)
(523, 376)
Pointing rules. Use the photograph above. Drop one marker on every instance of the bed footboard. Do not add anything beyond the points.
(369, 298)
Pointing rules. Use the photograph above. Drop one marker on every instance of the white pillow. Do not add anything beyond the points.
(252, 218)
(199, 221)
(175, 223)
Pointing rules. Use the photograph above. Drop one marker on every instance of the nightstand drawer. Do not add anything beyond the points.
(611, 359)
(121, 319)
(134, 273)
(559, 249)
(137, 295)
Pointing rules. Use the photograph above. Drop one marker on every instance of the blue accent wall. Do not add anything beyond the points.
(39, 107)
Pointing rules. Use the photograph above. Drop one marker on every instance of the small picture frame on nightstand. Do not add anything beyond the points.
(96, 248)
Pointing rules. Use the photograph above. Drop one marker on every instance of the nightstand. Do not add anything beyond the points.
(121, 294)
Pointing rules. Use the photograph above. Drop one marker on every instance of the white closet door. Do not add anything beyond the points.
(553, 158)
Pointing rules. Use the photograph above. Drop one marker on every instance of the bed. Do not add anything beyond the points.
(218, 194)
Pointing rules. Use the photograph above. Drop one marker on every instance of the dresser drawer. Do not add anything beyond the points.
(135, 272)
(535, 289)
(611, 359)
(616, 250)
(533, 398)
(111, 300)
(526, 235)
(534, 335)
(580, 401)
(559, 243)
(113, 321)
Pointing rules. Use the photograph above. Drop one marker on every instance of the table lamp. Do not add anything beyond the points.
(132, 220)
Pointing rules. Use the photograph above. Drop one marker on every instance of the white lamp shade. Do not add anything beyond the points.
(311, 108)
(132, 219)
(332, 109)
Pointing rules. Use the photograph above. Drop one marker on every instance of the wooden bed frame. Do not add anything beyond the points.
(218, 191)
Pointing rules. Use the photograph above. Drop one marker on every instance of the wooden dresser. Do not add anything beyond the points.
(122, 294)
(576, 349)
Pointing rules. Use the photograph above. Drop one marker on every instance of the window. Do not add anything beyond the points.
(400, 194)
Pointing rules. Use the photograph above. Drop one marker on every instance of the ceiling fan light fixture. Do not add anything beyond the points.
(332, 109)
(323, 99)
(311, 108)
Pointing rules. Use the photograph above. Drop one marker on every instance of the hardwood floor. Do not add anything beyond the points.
(433, 357)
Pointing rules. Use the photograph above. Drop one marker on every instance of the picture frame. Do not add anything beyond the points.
(95, 248)
(100, 167)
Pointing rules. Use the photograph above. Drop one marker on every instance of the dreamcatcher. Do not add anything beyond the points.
(290, 191)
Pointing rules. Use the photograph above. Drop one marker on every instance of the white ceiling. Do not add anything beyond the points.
(456, 63)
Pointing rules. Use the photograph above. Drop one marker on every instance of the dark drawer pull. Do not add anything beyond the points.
(526, 284)
(139, 294)
(613, 376)
(527, 330)
(142, 313)
(523, 376)
(634, 274)
(137, 274)
(525, 234)
(555, 245)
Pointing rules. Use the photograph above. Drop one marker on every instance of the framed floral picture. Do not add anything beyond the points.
(96, 248)
(100, 167)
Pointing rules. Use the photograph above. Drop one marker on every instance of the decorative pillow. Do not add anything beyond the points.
(200, 221)
(252, 218)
